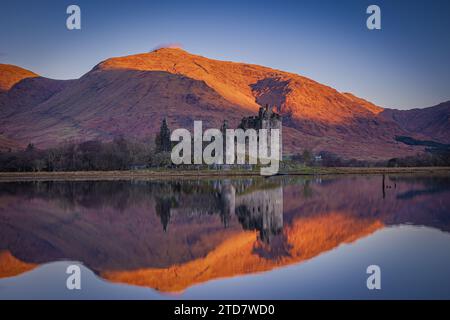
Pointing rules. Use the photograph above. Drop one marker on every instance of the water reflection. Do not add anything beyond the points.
(170, 235)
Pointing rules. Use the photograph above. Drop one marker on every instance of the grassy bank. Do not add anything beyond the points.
(153, 174)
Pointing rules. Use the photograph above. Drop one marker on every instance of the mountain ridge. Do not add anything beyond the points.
(128, 96)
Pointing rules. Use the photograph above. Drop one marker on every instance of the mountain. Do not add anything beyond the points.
(428, 122)
(130, 95)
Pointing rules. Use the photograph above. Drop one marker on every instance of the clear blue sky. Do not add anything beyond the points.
(404, 65)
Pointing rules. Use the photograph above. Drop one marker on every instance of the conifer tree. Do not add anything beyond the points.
(162, 140)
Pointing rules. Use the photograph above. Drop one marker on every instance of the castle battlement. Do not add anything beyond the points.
(266, 119)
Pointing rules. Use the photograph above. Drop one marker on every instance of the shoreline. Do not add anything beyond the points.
(171, 174)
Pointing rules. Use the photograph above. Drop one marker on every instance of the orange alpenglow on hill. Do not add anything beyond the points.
(10, 75)
(129, 96)
(247, 85)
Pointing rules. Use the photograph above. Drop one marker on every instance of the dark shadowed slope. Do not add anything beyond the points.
(432, 122)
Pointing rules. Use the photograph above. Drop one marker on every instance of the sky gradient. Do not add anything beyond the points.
(405, 65)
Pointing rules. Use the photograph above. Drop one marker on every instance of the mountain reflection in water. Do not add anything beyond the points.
(170, 235)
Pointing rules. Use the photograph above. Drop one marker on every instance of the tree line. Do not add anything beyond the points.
(119, 154)
(123, 154)
(93, 155)
(330, 159)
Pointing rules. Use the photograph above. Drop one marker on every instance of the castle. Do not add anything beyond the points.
(266, 119)
(263, 143)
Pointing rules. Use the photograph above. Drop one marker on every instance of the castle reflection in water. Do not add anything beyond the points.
(260, 210)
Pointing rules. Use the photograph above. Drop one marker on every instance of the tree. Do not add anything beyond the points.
(330, 159)
(30, 147)
(161, 159)
(307, 157)
(162, 140)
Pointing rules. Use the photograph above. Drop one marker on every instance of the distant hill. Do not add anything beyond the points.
(10, 75)
(431, 122)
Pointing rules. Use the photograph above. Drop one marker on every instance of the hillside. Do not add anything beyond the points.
(10, 75)
(428, 122)
(130, 95)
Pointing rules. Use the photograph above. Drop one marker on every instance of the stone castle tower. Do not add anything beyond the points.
(266, 119)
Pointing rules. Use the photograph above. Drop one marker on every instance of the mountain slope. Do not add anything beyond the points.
(102, 105)
(10, 75)
(431, 122)
(130, 95)
(28, 93)
(249, 85)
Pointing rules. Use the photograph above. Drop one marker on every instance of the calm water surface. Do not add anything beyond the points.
(273, 238)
